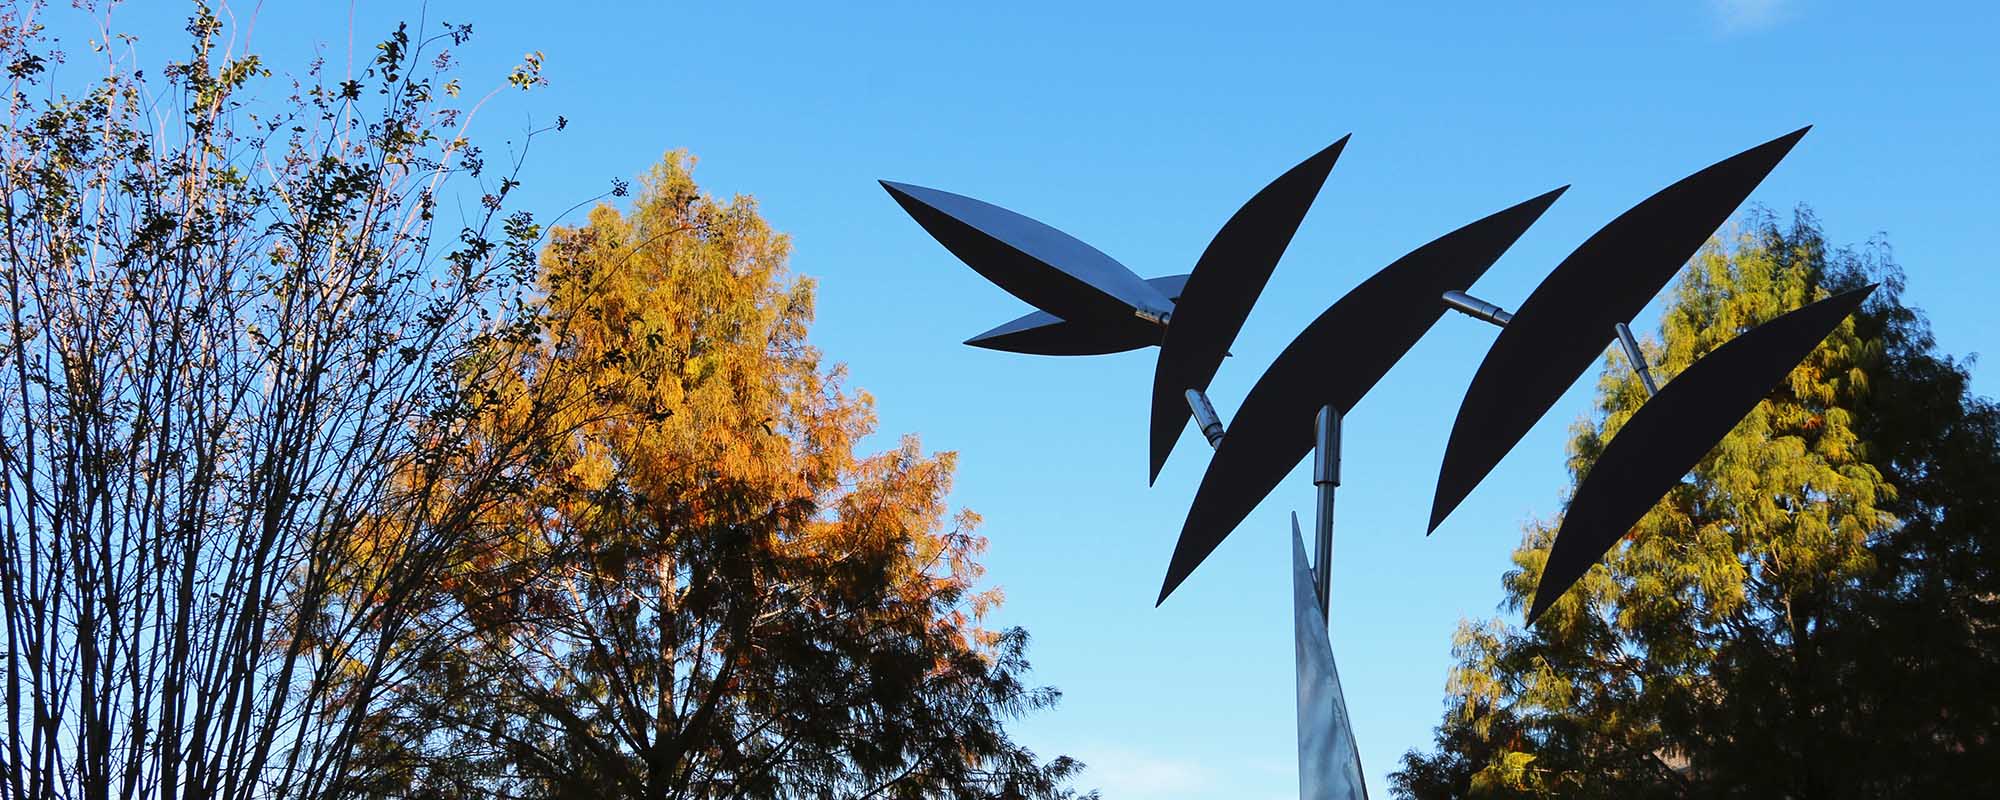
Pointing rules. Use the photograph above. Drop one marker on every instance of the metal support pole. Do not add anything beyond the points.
(1326, 478)
(1204, 417)
(1476, 308)
(1638, 359)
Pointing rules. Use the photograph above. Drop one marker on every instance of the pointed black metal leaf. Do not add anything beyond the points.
(1224, 285)
(1671, 433)
(1565, 324)
(1044, 334)
(1335, 361)
(1049, 269)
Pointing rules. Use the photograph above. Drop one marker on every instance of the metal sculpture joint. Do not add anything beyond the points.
(1637, 358)
(1476, 308)
(1204, 417)
(1488, 312)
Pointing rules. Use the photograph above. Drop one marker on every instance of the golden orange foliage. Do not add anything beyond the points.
(703, 569)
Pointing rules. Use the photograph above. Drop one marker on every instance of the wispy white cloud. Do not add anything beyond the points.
(1122, 773)
(1748, 16)
(1131, 775)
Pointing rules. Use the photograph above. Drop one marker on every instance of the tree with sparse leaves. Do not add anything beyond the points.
(1814, 613)
(241, 334)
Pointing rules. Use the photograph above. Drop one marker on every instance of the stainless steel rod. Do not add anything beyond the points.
(1326, 478)
(1638, 359)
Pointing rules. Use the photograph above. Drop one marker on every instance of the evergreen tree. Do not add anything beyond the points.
(1811, 614)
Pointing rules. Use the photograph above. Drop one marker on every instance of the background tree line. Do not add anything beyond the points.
(1814, 612)
(330, 473)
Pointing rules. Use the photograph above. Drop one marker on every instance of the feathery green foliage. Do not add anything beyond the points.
(1811, 614)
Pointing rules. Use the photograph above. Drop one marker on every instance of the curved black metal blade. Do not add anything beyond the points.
(1671, 433)
(1224, 285)
(1335, 361)
(1049, 269)
(1044, 334)
(1566, 322)
(1329, 759)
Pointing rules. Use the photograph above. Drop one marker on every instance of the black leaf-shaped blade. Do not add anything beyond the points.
(1565, 324)
(1044, 334)
(1671, 433)
(1049, 269)
(1335, 361)
(1222, 289)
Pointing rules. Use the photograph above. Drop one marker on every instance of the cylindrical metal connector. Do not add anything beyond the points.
(1154, 316)
(1638, 359)
(1204, 416)
(1326, 447)
(1476, 308)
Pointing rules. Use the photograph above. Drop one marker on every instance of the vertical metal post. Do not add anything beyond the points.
(1326, 477)
(1638, 359)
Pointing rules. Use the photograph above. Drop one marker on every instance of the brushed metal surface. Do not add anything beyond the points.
(1051, 270)
(1329, 759)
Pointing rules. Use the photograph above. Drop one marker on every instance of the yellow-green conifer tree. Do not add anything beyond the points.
(1806, 615)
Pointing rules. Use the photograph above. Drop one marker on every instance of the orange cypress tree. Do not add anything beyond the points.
(707, 592)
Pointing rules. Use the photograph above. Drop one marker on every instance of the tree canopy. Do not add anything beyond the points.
(1810, 614)
(706, 591)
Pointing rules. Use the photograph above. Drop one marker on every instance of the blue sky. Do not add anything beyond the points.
(1139, 127)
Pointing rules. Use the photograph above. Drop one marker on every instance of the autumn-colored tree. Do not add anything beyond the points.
(233, 322)
(706, 592)
(1814, 613)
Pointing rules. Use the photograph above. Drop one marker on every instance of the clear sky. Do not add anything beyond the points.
(1140, 127)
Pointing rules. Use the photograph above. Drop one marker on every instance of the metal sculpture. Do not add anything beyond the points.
(1090, 304)
(1045, 334)
(1231, 273)
(1674, 430)
(1565, 323)
(1332, 363)
(1049, 269)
